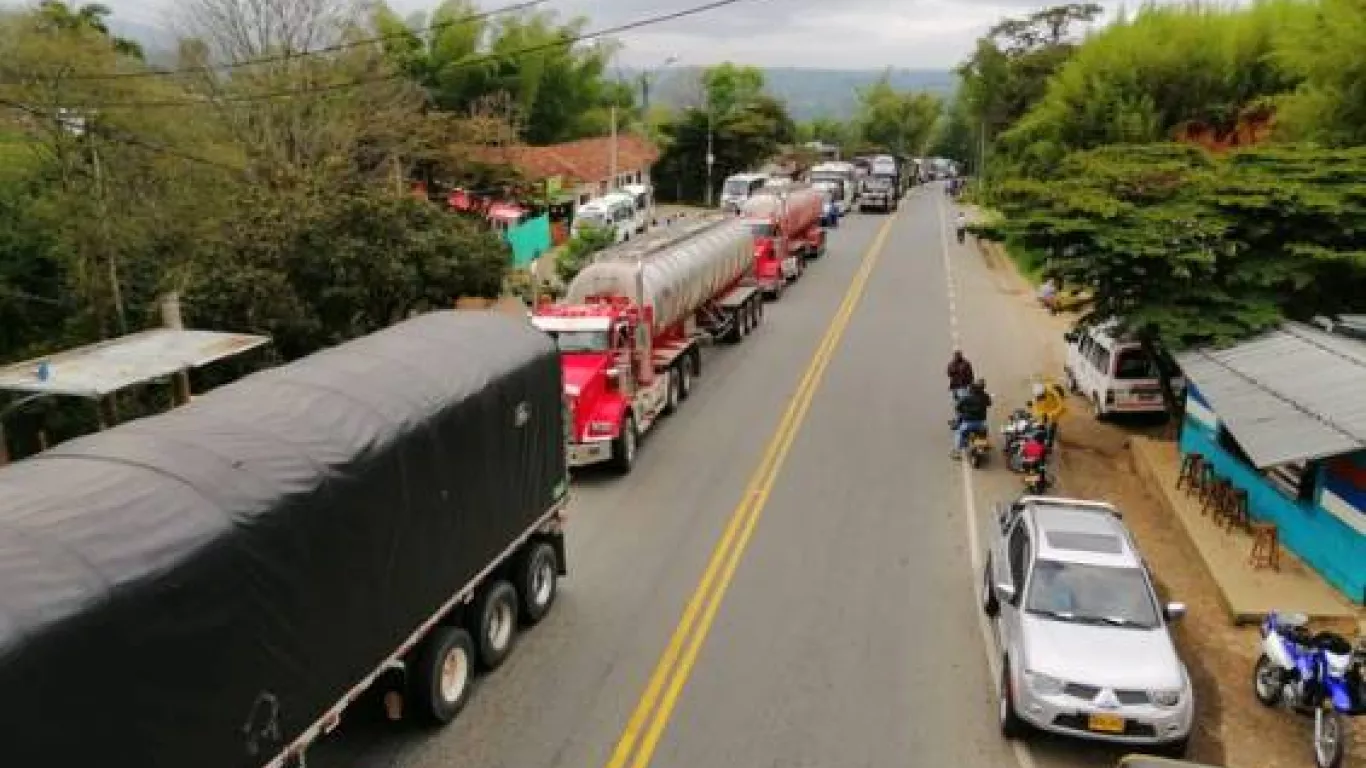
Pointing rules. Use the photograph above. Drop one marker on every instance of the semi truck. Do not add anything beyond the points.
(631, 325)
(787, 233)
(215, 586)
(842, 178)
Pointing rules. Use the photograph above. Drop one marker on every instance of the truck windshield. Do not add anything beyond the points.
(590, 219)
(760, 228)
(737, 187)
(581, 341)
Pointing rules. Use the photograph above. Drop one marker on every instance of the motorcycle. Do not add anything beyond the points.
(1318, 675)
(962, 235)
(1036, 481)
(978, 444)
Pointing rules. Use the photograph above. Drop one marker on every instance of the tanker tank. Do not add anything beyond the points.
(675, 270)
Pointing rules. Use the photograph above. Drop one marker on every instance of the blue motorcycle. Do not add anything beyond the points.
(1318, 675)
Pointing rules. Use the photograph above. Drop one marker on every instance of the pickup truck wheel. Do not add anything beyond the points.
(624, 447)
(497, 616)
(440, 677)
(538, 575)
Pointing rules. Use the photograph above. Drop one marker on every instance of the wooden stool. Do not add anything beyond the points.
(1266, 551)
(1214, 502)
(1191, 465)
(1205, 482)
(1236, 513)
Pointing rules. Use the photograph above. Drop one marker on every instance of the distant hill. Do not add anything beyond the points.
(809, 93)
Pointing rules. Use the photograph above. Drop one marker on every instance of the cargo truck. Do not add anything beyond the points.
(214, 586)
(631, 325)
(787, 234)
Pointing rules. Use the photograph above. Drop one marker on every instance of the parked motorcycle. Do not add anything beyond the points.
(1318, 675)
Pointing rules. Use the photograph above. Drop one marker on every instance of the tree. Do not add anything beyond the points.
(741, 139)
(1194, 248)
(306, 270)
(728, 87)
(896, 121)
(90, 17)
(1322, 46)
(579, 251)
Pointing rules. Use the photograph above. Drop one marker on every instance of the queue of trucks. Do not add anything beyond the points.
(216, 585)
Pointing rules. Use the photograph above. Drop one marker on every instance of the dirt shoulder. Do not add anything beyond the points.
(1232, 729)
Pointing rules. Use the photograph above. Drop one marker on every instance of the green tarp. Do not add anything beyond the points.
(529, 240)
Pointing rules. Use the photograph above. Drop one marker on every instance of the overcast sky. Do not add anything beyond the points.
(832, 34)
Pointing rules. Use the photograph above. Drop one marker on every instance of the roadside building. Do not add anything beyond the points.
(1283, 417)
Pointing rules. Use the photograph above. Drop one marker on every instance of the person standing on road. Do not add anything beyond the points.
(972, 416)
(960, 375)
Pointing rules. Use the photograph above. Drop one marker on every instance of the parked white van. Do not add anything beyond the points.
(739, 188)
(1114, 374)
(615, 211)
(644, 199)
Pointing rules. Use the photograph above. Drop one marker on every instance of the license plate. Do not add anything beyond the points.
(1105, 723)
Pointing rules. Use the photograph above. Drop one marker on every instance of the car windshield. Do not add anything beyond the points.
(581, 341)
(1091, 594)
(737, 187)
(879, 182)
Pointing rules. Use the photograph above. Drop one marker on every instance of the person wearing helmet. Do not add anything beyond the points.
(972, 415)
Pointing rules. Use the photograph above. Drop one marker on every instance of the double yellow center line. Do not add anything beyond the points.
(651, 715)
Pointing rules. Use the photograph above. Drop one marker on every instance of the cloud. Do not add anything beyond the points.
(848, 34)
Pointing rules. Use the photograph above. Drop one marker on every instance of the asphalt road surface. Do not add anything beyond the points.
(787, 577)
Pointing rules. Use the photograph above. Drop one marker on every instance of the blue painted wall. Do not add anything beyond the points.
(1331, 547)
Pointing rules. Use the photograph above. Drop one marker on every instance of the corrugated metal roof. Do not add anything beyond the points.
(99, 369)
(1292, 394)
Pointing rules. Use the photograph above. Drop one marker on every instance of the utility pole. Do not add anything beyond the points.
(711, 157)
(613, 165)
(110, 253)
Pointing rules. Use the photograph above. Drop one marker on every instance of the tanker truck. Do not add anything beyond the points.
(787, 234)
(631, 325)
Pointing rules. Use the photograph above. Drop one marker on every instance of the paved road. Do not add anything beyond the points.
(839, 626)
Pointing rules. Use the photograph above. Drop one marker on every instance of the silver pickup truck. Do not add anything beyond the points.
(879, 192)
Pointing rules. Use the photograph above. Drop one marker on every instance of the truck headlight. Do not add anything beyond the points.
(1044, 685)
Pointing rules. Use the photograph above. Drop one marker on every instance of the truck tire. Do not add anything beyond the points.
(671, 397)
(441, 675)
(625, 445)
(538, 580)
(687, 369)
(497, 618)
(758, 312)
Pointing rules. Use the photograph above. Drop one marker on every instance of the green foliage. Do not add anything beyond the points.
(579, 251)
(1197, 249)
(476, 65)
(896, 121)
(315, 271)
(1325, 48)
(1141, 79)
(747, 127)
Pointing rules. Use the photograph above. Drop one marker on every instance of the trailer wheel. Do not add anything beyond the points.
(538, 580)
(441, 675)
(497, 616)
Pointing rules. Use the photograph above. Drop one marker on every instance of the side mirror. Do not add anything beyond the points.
(1070, 337)
(614, 375)
(1174, 611)
(1005, 592)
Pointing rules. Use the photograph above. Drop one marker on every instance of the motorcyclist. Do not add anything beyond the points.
(962, 224)
(960, 375)
(972, 416)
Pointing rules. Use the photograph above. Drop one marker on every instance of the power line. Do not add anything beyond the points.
(471, 62)
(132, 141)
(229, 66)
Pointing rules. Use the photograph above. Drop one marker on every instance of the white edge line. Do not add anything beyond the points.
(1019, 748)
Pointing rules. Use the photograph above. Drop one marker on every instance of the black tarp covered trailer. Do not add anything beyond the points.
(170, 585)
